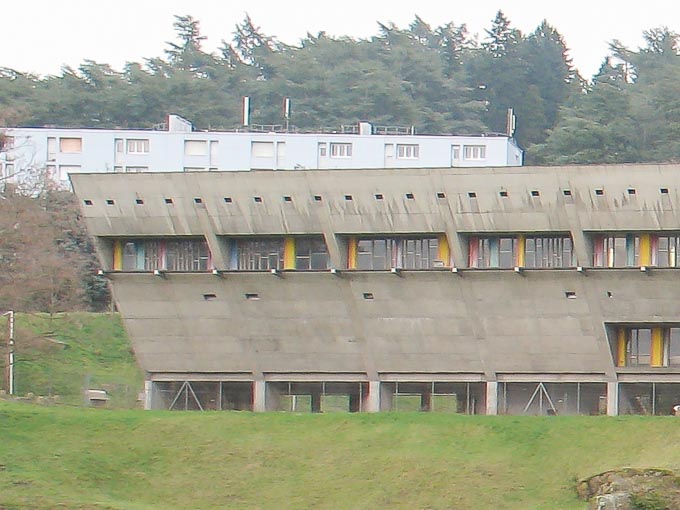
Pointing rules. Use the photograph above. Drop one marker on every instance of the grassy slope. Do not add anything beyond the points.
(62, 457)
(62, 354)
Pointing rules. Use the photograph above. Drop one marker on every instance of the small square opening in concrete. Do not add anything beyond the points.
(472, 194)
(609, 294)
(209, 296)
(566, 192)
(441, 195)
(87, 202)
(168, 201)
(198, 200)
(663, 191)
(599, 191)
(410, 196)
(368, 295)
(570, 294)
(252, 296)
(503, 193)
(228, 200)
(631, 191)
(318, 198)
(110, 201)
(139, 201)
(287, 198)
(348, 197)
(257, 200)
(535, 193)
(379, 196)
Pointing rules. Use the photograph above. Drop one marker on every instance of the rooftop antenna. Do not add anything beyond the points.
(510, 123)
(246, 111)
(286, 111)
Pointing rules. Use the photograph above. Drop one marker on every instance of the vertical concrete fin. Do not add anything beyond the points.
(352, 245)
(657, 348)
(444, 253)
(218, 253)
(521, 250)
(621, 347)
(289, 253)
(645, 249)
(118, 255)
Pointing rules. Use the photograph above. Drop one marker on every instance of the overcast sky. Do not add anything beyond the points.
(41, 36)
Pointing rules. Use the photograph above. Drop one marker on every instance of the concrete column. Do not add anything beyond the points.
(316, 402)
(372, 400)
(259, 396)
(612, 398)
(491, 398)
(148, 395)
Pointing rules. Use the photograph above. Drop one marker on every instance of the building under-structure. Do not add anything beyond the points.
(528, 290)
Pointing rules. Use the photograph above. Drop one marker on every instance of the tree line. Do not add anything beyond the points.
(438, 79)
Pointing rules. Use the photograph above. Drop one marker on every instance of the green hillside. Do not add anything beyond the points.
(64, 457)
(63, 354)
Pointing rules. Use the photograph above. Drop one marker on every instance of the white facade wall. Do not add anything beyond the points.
(102, 150)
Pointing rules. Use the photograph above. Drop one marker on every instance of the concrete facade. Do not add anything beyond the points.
(581, 336)
(179, 149)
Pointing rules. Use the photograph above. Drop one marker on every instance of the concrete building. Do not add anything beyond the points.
(488, 290)
(177, 148)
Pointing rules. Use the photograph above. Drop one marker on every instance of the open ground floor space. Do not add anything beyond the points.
(548, 396)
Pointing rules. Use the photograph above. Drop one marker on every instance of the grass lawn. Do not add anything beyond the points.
(64, 457)
(63, 354)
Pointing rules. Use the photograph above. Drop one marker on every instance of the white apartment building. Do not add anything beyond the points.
(178, 148)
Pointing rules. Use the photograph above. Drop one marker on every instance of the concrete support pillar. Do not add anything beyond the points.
(612, 398)
(491, 398)
(316, 402)
(426, 401)
(372, 400)
(259, 396)
(148, 395)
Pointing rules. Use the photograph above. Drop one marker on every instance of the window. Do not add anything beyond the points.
(322, 149)
(259, 254)
(262, 149)
(410, 151)
(311, 253)
(646, 346)
(137, 146)
(51, 148)
(341, 150)
(70, 145)
(474, 152)
(618, 250)
(455, 154)
(195, 148)
(185, 255)
(548, 252)
(404, 253)
(665, 250)
(493, 252)
(136, 169)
